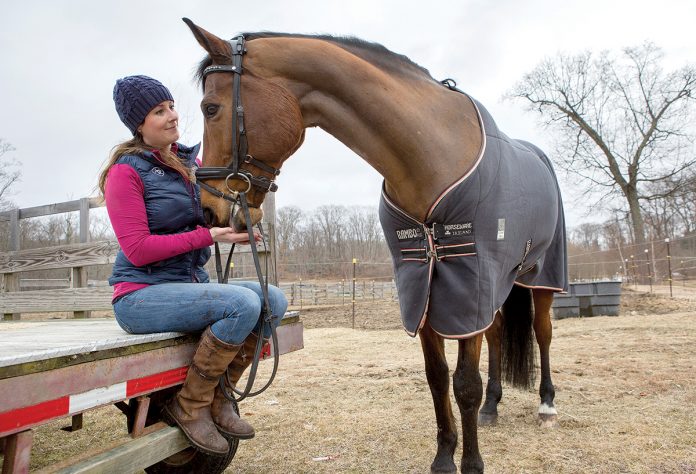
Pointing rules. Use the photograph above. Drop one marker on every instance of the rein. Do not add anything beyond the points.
(264, 184)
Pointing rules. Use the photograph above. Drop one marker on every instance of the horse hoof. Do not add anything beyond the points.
(548, 420)
(443, 468)
(438, 471)
(487, 419)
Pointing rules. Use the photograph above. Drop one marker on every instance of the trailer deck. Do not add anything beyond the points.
(58, 368)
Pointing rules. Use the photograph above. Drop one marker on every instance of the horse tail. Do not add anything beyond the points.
(517, 348)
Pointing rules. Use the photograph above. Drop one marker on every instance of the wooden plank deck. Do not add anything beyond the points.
(39, 340)
(35, 346)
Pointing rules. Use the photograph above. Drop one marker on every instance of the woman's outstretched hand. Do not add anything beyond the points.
(231, 236)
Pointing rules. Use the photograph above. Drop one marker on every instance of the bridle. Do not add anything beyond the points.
(240, 153)
(262, 183)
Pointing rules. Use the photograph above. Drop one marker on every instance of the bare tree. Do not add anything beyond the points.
(324, 241)
(614, 232)
(9, 173)
(100, 227)
(330, 219)
(684, 205)
(288, 223)
(674, 212)
(364, 232)
(622, 121)
(587, 236)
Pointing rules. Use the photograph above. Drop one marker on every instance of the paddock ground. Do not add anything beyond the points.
(356, 400)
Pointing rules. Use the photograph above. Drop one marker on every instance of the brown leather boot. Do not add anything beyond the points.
(222, 409)
(190, 408)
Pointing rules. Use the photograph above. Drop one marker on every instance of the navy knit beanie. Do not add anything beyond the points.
(136, 96)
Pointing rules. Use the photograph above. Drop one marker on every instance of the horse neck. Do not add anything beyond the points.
(417, 134)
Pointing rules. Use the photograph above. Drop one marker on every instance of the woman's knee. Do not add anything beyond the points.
(240, 317)
(247, 304)
(278, 301)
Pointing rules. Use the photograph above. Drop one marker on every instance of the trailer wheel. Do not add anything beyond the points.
(188, 461)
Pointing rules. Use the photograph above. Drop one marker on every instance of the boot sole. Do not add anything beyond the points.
(234, 435)
(173, 422)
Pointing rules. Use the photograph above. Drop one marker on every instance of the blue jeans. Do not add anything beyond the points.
(232, 311)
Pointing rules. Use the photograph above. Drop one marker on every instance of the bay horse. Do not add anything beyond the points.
(490, 268)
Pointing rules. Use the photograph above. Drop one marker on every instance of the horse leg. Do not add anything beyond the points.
(437, 373)
(488, 415)
(548, 417)
(468, 391)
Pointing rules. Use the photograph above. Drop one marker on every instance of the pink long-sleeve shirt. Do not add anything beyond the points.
(125, 203)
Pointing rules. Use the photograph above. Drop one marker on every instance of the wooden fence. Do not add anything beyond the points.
(80, 298)
(312, 293)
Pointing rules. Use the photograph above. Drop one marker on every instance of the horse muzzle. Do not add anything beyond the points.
(238, 220)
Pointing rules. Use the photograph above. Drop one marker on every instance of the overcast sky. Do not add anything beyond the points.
(60, 59)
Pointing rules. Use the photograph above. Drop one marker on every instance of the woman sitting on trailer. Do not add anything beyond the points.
(154, 205)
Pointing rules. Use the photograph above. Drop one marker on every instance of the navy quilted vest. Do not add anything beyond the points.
(173, 205)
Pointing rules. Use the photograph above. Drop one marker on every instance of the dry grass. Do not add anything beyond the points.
(625, 391)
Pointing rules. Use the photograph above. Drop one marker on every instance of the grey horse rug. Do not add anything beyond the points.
(500, 224)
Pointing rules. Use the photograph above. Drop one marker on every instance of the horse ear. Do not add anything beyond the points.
(216, 47)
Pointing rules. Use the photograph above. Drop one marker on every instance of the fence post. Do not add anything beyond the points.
(669, 267)
(14, 229)
(270, 223)
(78, 276)
(300, 293)
(84, 220)
(647, 261)
(355, 261)
(11, 280)
(652, 261)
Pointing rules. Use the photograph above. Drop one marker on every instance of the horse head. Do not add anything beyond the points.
(271, 130)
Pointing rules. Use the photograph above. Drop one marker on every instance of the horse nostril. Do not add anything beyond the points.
(208, 215)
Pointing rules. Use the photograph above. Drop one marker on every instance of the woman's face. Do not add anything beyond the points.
(160, 128)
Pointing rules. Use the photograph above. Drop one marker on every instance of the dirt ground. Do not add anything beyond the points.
(356, 400)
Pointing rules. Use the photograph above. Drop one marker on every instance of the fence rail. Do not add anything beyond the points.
(309, 293)
(671, 262)
(668, 261)
(81, 296)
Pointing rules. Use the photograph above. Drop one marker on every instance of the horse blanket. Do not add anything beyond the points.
(500, 224)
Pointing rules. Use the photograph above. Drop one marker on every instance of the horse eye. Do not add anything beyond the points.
(210, 110)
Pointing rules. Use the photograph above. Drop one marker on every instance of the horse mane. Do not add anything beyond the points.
(374, 53)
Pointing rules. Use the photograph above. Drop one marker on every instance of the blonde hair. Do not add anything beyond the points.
(137, 146)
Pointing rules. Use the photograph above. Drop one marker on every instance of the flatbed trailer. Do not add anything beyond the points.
(53, 369)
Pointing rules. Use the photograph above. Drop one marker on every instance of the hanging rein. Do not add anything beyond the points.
(240, 156)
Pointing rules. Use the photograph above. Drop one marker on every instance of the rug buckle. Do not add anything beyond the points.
(432, 253)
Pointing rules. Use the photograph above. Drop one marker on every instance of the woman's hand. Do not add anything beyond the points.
(231, 236)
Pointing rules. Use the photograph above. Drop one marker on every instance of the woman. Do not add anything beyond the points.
(154, 206)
